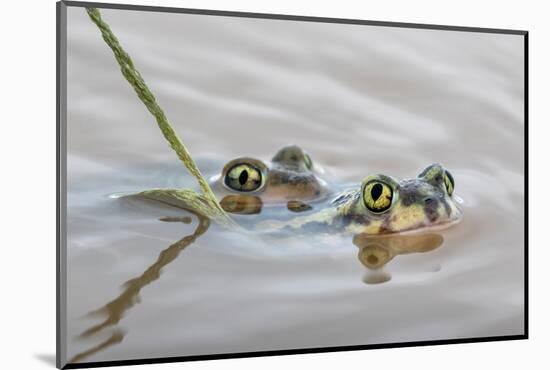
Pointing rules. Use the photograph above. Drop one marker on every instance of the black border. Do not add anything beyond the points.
(222, 356)
(60, 65)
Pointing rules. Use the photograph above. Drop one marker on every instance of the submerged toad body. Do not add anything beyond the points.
(384, 205)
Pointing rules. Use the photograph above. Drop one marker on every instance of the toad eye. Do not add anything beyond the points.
(377, 196)
(449, 182)
(243, 177)
(308, 162)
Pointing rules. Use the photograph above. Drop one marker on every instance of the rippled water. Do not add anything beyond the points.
(360, 100)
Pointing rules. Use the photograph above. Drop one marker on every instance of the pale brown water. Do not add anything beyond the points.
(361, 100)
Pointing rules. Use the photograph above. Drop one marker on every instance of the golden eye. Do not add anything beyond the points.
(243, 177)
(377, 196)
(449, 182)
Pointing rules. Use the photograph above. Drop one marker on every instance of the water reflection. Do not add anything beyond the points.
(376, 251)
(115, 338)
(251, 204)
(298, 206)
(242, 204)
(115, 309)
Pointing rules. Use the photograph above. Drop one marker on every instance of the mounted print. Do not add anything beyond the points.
(238, 184)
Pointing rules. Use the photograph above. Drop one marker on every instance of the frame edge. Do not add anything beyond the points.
(61, 160)
(290, 17)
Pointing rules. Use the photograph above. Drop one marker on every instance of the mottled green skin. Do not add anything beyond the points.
(418, 203)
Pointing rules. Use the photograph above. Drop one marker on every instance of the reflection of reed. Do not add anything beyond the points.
(113, 339)
(376, 251)
(115, 310)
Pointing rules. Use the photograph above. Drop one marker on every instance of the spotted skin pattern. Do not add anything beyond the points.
(419, 203)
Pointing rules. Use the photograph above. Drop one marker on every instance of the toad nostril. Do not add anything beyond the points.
(429, 200)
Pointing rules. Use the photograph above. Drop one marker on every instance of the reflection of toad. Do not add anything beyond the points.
(376, 251)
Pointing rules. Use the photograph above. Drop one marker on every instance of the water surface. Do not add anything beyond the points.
(361, 100)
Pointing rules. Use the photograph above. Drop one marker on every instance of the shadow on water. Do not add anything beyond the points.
(376, 251)
(115, 309)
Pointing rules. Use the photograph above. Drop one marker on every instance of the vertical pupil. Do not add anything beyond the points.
(450, 178)
(243, 177)
(376, 191)
(307, 161)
